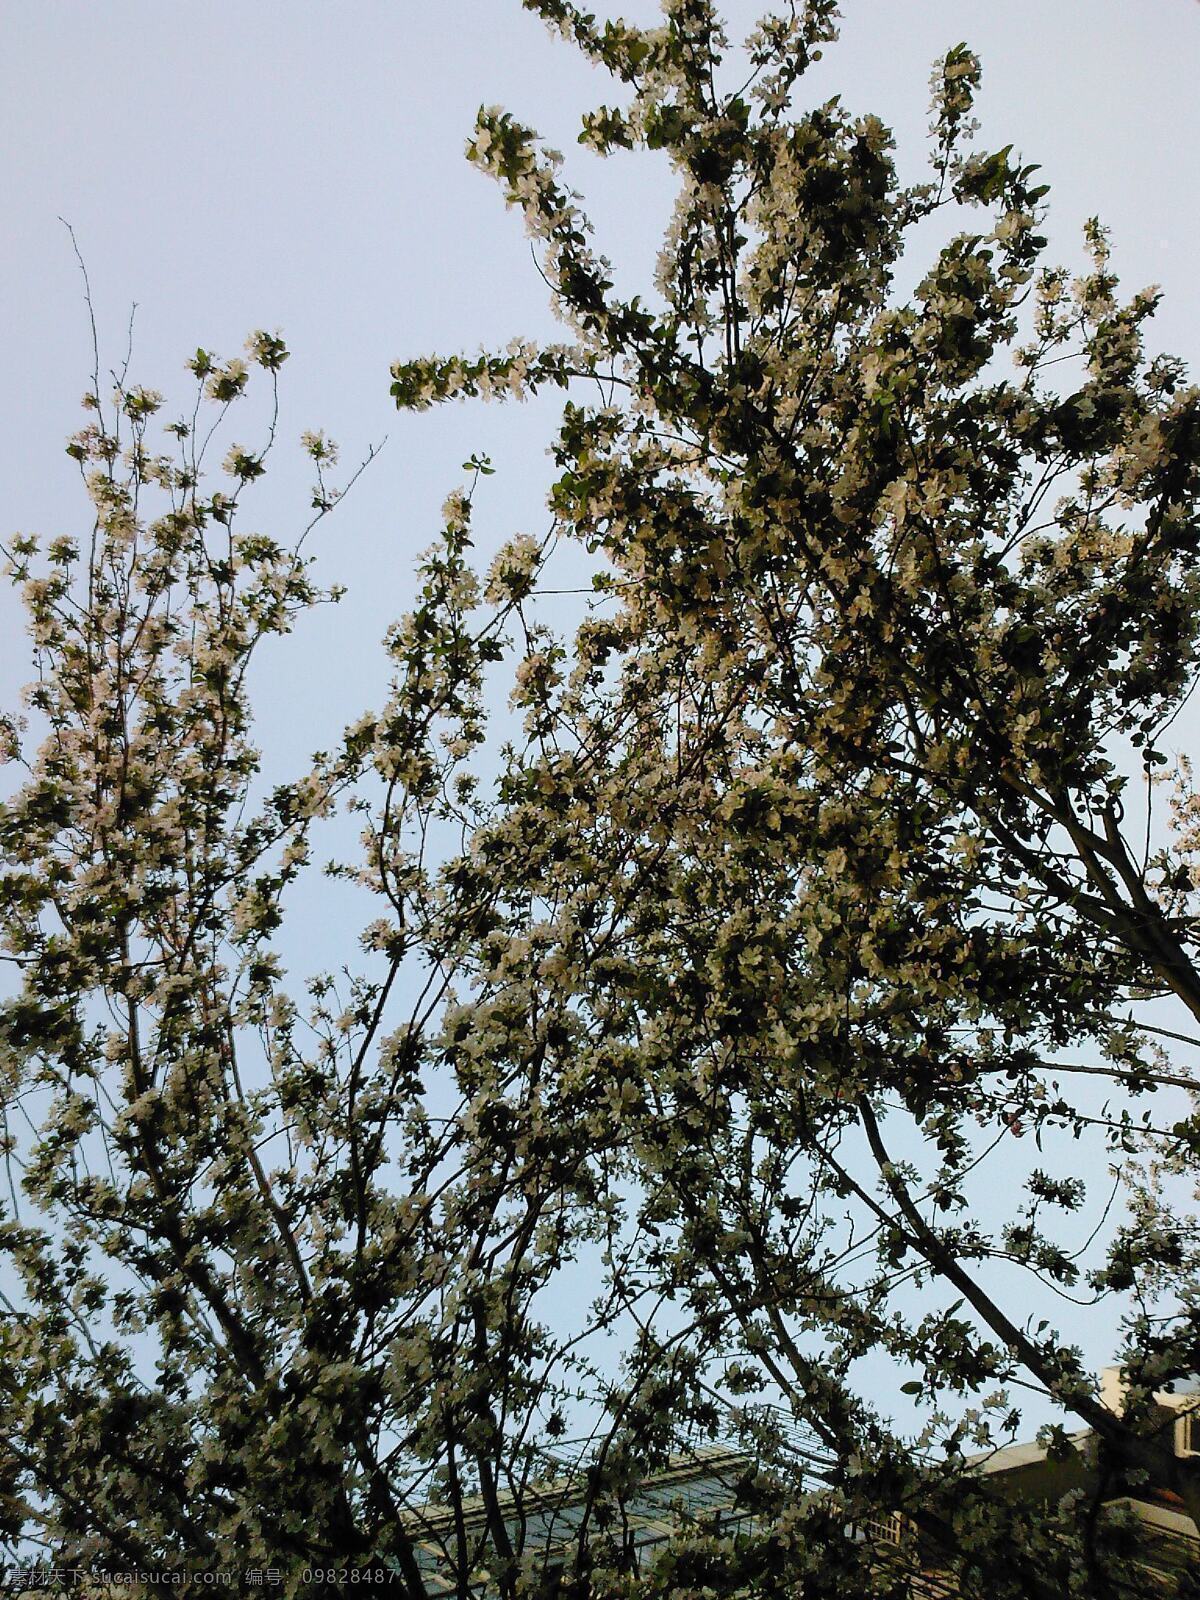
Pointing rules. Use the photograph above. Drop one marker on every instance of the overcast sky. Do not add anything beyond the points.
(299, 165)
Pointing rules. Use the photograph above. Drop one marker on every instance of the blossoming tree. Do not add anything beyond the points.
(803, 966)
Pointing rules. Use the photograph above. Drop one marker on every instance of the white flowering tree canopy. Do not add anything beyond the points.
(806, 989)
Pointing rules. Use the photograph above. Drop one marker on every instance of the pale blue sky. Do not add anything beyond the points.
(299, 165)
